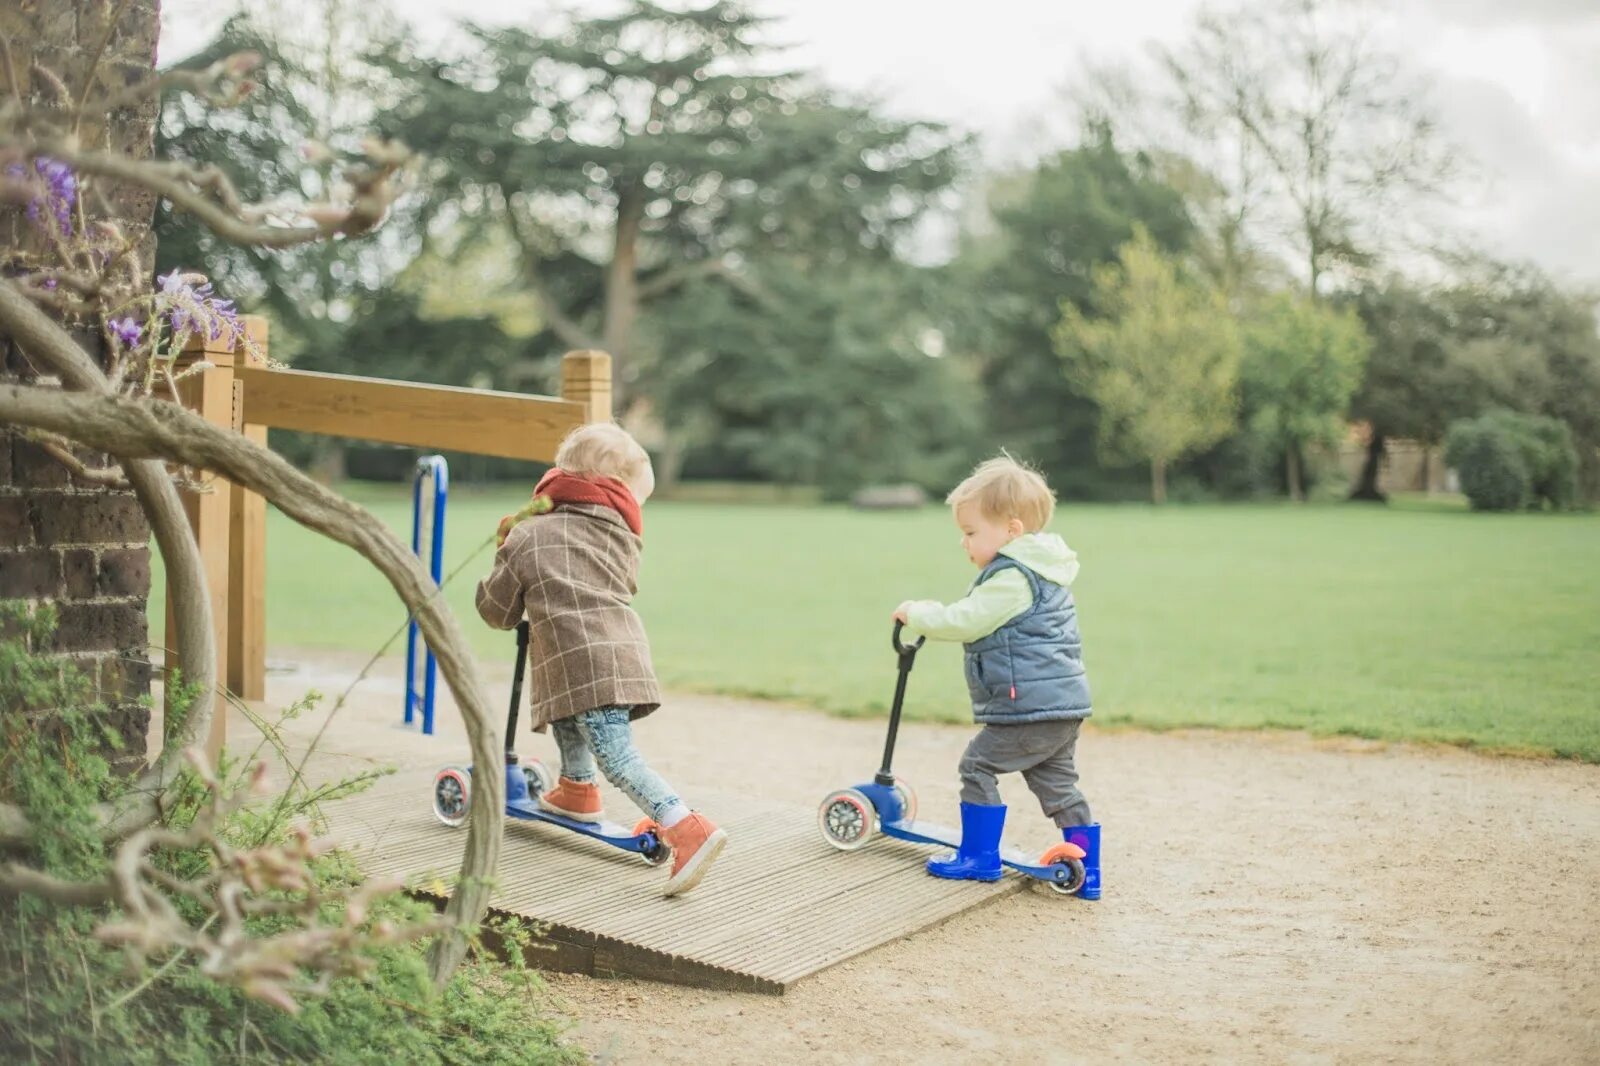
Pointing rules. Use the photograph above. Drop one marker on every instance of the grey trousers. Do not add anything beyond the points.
(1042, 752)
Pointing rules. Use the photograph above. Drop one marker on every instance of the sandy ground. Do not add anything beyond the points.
(1267, 898)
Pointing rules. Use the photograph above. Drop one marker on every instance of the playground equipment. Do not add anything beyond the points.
(526, 781)
(849, 817)
(430, 490)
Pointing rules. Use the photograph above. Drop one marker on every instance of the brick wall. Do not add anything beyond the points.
(65, 541)
(87, 551)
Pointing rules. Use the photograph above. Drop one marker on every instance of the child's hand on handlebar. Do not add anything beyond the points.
(900, 613)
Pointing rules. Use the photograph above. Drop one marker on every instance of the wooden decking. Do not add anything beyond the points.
(779, 906)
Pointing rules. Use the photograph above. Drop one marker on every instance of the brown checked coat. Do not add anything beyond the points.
(573, 573)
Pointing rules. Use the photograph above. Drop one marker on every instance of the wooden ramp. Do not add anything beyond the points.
(780, 905)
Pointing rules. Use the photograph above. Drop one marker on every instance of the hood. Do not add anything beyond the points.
(1046, 554)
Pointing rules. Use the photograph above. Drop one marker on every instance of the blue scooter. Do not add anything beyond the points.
(849, 817)
(526, 781)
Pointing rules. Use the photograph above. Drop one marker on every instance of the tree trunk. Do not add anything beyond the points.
(1291, 466)
(1158, 481)
(1366, 487)
(622, 290)
(669, 463)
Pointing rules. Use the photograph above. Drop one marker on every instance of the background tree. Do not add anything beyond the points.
(631, 154)
(1501, 336)
(1301, 364)
(1161, 360)
(315, 96)
(836, 380)
(1046, 232)
(1307, 116)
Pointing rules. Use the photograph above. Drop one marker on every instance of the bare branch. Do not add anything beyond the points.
(58, 450)
(17, 880)
(187, 188)
(140, 429)
(43, 340)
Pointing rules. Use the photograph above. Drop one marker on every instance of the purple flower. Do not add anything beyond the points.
(63, 186)
(58, 192)
(125, 330)
(192, 307)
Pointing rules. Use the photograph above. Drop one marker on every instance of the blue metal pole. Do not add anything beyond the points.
(411, 630)
(441, 492)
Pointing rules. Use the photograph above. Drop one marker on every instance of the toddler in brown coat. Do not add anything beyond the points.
(573, 572)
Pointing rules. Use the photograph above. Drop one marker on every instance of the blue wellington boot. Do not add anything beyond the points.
(978, 858)
(1087, 837)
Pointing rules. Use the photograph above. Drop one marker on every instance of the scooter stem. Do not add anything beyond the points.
(516, 691)
(907, 655)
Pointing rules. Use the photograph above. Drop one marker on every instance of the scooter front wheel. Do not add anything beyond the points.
(452, 796)
(847, 819)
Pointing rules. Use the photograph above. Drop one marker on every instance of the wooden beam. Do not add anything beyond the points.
(586, 379)
(247, 549)
(209, 394)
(424, 416)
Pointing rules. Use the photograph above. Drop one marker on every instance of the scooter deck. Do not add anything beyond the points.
(932, 833)
(617, 836)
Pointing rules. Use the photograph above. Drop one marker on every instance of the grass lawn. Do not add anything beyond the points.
(1416, 623)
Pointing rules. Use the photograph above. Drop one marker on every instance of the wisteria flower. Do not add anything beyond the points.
(54, 189)
(192, 307)
(126, 330)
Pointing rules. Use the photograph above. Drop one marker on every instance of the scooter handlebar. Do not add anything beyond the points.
(903, 649)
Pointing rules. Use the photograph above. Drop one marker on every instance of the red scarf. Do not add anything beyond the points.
(562, 487)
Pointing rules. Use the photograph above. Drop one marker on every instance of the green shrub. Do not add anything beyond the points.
(1494, 475)
(1508, 461)
(67, 998)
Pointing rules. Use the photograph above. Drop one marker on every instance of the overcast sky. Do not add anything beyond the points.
(1516, 82)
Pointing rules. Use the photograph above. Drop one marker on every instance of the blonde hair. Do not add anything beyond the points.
(1005, 489)
(602, 449)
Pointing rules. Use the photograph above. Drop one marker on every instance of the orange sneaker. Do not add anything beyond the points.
(696, 842)
(578, 800)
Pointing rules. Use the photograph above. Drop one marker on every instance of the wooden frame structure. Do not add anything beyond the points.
(239, 390)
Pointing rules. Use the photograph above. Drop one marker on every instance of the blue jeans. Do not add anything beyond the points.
(605, 736)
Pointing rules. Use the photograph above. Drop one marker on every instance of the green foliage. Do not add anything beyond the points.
(66, 998)
(1302, 361)
(1494, 475)
(1508, 461)
(825, 383)
(54, 736)
(1161, 360)
(303, 99)
(1050, 228)
(627, 155)
(1502, 337)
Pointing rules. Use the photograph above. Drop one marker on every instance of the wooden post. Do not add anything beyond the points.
(586, 379)
(247, 549)
(209, 394)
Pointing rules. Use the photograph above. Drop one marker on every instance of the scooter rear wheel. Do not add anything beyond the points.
(540, 780)
(908, 799)
(452, 796)
(1069, 877)
(847, 819)
(662, 852)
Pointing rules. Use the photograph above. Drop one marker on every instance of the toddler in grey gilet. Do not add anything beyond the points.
(1024, 666)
